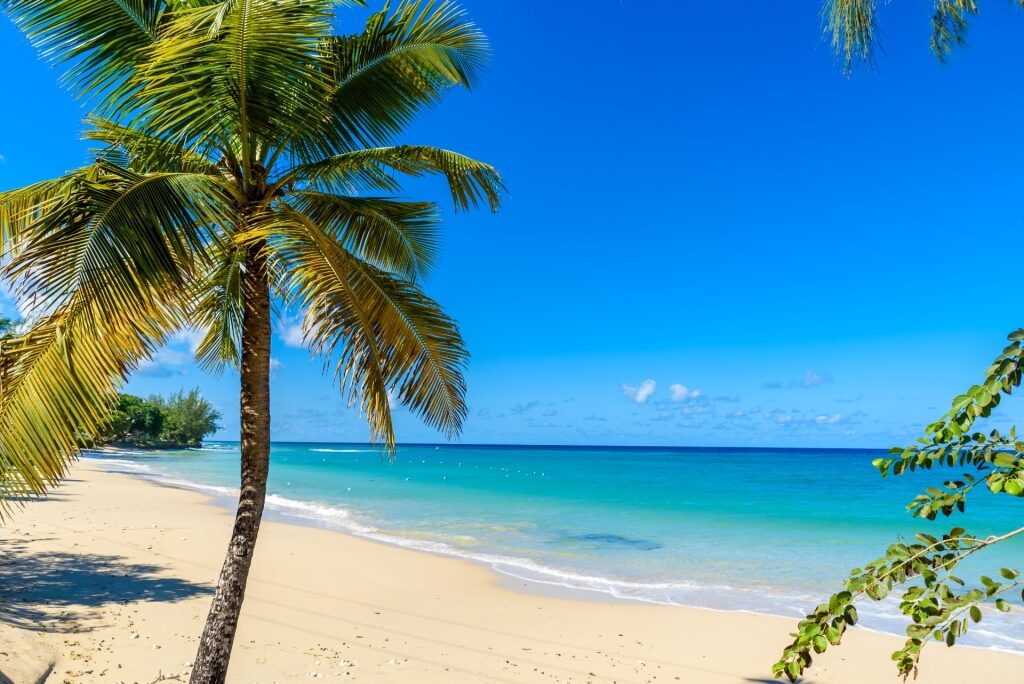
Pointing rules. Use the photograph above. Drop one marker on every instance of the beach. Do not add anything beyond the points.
(108, 580)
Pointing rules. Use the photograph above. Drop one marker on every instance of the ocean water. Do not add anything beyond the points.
(763, 530)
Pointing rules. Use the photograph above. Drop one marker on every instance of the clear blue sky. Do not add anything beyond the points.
(698, 198)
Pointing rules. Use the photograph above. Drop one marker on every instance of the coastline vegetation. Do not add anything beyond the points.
(179, 421)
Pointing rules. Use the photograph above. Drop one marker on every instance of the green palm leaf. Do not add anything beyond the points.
(142, 153)
(395, 236)
(235, 75)
(401, 63)
(471, 182)
(381, 333)
(57, 383)
(851, 26)
(116, 232)
(218, 311)
(102, 41)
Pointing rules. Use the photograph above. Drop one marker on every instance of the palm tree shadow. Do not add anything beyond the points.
(62, 592)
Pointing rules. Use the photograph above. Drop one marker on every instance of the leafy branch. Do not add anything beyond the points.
(938, 603)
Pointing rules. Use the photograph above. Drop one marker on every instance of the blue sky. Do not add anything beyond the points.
(712, 236)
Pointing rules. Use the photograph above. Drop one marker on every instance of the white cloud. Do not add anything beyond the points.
(164, 364)
(275, 365)
(640, 394)
(829, 420)
(682, 393)
(190, 336)
(291, 333)
(812, 379)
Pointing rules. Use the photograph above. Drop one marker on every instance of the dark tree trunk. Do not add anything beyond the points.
(211, 663)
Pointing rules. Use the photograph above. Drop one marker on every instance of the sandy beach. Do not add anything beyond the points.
(108, 581)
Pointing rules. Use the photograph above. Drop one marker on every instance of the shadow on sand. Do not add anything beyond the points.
(60, 591)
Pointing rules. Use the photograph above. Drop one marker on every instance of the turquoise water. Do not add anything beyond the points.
(761, 530)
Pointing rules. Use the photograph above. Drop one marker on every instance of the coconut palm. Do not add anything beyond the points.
(246, 165)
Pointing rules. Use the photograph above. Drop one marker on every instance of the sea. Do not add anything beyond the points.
(770, 531)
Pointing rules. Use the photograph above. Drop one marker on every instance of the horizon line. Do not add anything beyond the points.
(570, 446)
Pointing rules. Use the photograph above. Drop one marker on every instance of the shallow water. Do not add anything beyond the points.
(770, 531)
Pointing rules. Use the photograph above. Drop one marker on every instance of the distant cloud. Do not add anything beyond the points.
(682, 393)
(520, 409)
(812, 379)
(275, 365)
(3, 159)
(829, 420)
(596, 419)
(640, 394)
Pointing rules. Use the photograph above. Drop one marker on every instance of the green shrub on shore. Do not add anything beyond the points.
(182, 420)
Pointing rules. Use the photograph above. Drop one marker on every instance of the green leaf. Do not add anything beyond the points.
(1004, 459)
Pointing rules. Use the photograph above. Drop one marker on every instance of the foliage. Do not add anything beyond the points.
(188, 418)
(227, 129)
(940, 605)
(182, 420)
(852, 27)
(133, 420)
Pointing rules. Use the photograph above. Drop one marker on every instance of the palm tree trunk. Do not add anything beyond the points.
(211, 663)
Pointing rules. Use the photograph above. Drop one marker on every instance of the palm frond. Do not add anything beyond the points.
(143, 153)
(58, 381)
(400, 64)
(471, 182)
(22, 208)
(148, 229)
(237, 74)
(103, 256)
(949, 25)
(380, 332)
(851, 27)
(395, 236)
(101, 41)
(218, 311)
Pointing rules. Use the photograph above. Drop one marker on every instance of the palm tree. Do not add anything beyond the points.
(246, 160)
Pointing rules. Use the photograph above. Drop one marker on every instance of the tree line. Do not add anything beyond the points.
(181, 420)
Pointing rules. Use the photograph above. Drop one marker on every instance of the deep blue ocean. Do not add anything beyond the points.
(764, 530)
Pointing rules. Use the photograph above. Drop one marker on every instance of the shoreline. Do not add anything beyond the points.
(519, 574)
(347, 608)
